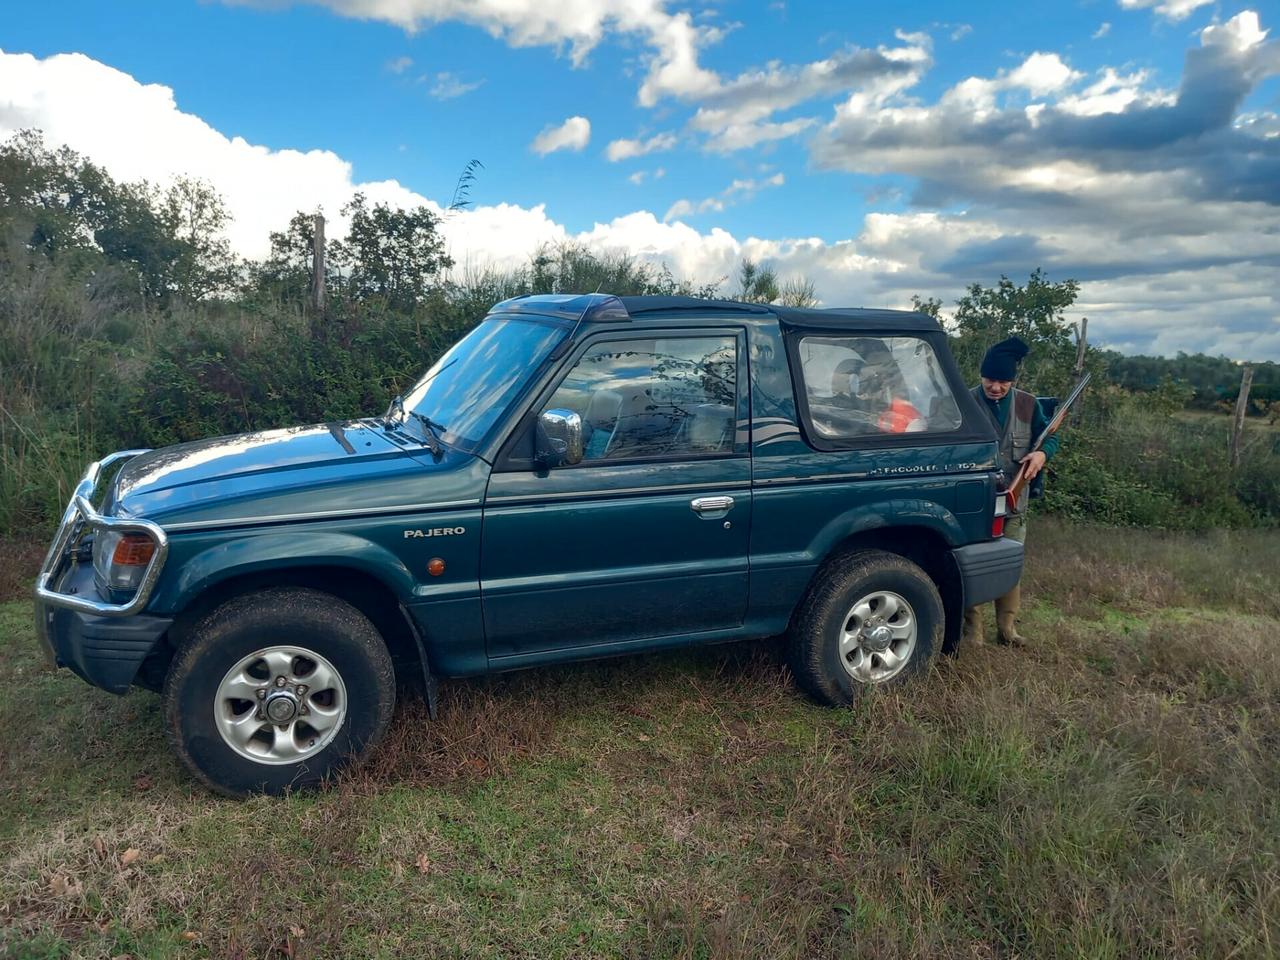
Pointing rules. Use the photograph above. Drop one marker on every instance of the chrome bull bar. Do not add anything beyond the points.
(79, 518)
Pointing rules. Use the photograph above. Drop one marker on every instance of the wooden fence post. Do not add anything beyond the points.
(317, 263)
(1082, 345)
(1242, 407)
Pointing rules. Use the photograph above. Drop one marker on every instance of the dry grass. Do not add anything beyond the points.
(1110, 792)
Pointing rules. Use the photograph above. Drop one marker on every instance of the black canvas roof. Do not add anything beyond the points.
(604, 307)
(845, 317)
(838, 317)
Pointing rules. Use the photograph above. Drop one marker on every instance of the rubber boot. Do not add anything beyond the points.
(1007, 618)
(972, 626)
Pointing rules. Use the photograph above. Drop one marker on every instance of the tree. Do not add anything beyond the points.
(47, 196)
(1035, 312)
(932, 307)
(194, 216)
(756, 284)
(390, 253)
(798, 292)
(66, 208)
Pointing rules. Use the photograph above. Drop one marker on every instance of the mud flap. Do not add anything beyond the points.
(429, 688)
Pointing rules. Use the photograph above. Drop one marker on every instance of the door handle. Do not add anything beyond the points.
(711, 504)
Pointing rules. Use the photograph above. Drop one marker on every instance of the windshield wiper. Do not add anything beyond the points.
(434, 431)
(397, 404)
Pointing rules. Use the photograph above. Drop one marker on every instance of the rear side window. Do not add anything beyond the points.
(654, 398)
(867, 386)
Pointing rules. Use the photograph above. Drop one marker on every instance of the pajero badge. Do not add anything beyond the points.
(434, 532)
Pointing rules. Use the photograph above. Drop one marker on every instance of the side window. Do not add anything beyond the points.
(875, 386)
(656, 397)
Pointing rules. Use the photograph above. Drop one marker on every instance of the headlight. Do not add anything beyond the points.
(120, 559)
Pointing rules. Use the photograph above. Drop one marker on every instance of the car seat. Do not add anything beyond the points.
(644, 427)
(602, 421)
(709, 428)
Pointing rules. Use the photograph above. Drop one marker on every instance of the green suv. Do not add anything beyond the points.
(579, 477)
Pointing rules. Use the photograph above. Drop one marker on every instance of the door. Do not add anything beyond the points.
(647, 537)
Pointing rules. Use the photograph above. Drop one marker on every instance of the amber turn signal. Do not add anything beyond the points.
(134, 550)
(435, 566)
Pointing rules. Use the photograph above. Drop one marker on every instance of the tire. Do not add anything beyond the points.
(267, 646)
(837, 605)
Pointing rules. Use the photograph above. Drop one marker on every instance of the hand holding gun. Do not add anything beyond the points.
(1033, 462)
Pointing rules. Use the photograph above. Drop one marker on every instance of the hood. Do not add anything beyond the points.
(297, 470)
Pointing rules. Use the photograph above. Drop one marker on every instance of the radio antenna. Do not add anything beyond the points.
(567, 342)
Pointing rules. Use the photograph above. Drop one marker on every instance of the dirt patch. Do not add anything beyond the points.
(19, 564)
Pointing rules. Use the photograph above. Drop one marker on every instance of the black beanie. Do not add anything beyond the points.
(1001, 361)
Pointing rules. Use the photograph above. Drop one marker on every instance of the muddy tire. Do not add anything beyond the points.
(870, 618)
(278, 690)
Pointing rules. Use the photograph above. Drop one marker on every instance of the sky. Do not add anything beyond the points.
(880, 151)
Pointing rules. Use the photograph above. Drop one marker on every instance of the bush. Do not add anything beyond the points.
(1134, 461)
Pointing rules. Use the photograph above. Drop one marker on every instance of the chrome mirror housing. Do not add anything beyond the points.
(559, 439)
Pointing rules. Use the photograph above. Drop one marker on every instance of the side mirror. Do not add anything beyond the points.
(559, 439)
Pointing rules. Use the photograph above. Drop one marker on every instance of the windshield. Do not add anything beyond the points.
(471, 386)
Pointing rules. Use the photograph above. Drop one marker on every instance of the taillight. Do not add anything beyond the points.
(134, 550)
(1002, 509)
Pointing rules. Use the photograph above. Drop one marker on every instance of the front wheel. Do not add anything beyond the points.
(278, 690)
(870, 618)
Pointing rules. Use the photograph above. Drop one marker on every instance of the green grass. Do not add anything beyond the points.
(1108, 792)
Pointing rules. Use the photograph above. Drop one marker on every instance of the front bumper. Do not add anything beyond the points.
(989, 570)
(104, 651)
(102, 641)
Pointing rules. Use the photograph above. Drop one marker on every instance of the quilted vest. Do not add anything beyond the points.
(1015, 437)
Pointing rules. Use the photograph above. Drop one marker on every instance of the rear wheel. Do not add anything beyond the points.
(278, 690)
(870, 618)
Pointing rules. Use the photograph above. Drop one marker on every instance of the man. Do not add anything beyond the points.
(1018, 420)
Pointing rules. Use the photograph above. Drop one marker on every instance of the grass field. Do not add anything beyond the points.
(1113, 791)
(1260, 425)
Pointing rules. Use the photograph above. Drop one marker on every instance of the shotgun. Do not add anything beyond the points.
(1014, 493)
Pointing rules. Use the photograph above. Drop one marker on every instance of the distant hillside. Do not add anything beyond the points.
(1213, 379)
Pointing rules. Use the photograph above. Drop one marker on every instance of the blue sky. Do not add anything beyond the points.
(956, 143)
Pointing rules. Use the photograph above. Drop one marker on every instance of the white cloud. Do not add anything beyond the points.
(673, 38)
(640, 176)
(447, 86)
(1113, 93)
(626, 149)
(400, 64)
(681, 208)
(738, 191)
(1169, 9)
(1160, 272)
(136, 132)
(1241, 35)
(573, 134)
(962, 31)
(1103, 29)
(738, 114)
(1042, 73)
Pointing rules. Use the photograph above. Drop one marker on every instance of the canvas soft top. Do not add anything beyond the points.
(601, 307)
(838, 318)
